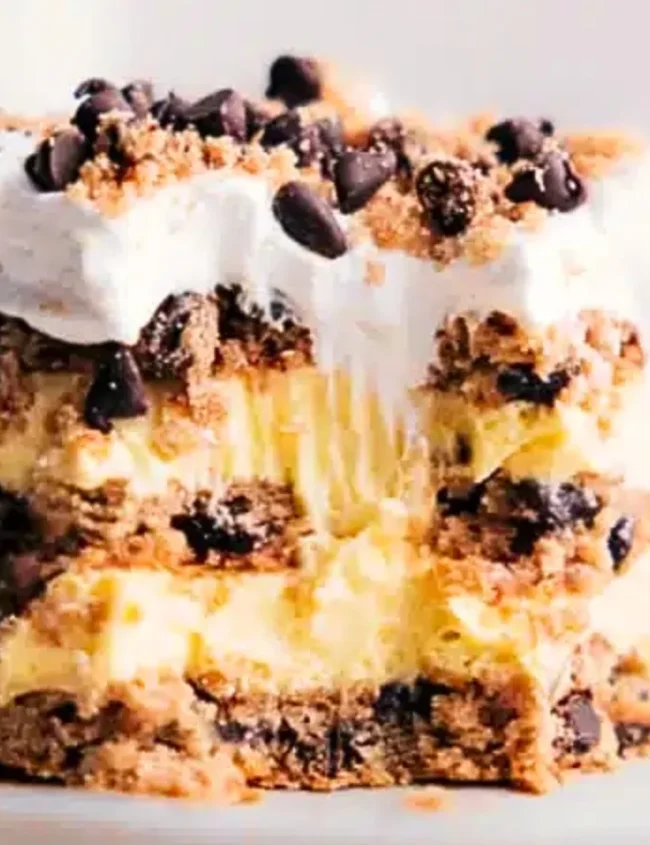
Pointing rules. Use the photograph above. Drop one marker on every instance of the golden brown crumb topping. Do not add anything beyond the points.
(435, 192)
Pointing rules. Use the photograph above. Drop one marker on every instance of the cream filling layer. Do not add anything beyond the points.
(365, 609)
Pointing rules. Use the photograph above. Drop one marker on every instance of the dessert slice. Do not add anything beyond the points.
(321, 445)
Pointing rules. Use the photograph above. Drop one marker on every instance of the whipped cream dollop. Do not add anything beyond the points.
(83, 277)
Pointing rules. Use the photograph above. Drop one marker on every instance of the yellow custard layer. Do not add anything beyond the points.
(366, 602)
(340, 447)
(366, 609)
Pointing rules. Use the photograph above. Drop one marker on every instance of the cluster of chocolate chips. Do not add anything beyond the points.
(447, 187)
(520, 383)
(530, 509)
(547, 176)
(244, 520)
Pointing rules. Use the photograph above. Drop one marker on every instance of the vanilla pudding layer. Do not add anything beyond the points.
(374, 608)
(317, 432)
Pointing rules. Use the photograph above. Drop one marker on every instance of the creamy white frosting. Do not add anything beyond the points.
(83, 277)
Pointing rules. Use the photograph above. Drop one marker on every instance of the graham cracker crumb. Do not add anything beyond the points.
(594, 154)
(375, 273)
(428, 799)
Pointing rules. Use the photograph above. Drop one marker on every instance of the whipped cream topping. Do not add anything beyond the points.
(73, 273)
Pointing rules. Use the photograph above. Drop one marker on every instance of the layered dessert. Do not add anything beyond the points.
(322, 443)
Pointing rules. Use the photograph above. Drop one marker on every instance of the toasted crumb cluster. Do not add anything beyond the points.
(496, 360)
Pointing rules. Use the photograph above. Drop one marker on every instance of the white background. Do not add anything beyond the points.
(584, 61)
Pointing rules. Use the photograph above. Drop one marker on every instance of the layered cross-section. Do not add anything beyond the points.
(322, 445)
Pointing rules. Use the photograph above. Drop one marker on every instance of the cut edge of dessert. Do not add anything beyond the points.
(322, 444)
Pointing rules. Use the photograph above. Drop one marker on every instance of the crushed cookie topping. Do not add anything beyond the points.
(433, 192)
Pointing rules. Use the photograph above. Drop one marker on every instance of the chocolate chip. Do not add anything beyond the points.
(519, 382)
(359, 175)
(392, 134)
(220, 113)
(447, 190)
(555, 505)
(463, 450)
(332, 144)
(57, 160)
(308, 219)
(139, 95)
(289, 129)
(620, 540)
(461, 503)
(581, 723)
(93, 86)
(256, 119)
(552, 184)
(110, 142)
(87, 117)
(540, 509)
(519, 138)
(117, 391)
(232, 526)
(171, 111)
(631, 735)
(204, 534)
(296, 81)
(398, 703)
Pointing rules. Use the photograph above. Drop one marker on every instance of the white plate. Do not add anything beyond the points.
(594, 810)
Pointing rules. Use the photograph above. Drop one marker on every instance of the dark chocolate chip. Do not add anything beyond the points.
(110, 142)
(520, 382)
(204, 534)
(387, 132)
(463, 450)
(392, 134)
(308, 219)
(57, 160)
(447, 190)
(581, 722)
(171, 111)
(552, 184)
(117, 391)
(393, 704)
(467, 502)
(87, 117)
(620, 540)
(332, 144)
(220, 113)
(294, 80)
(256, 119)
(359, 175)
(93, 86)
(555, 505)
(397, 702)
(519, 138)
(226, 528)
(303, 139)
(631, 735)
(139, 95)
(20, 569)
(545, 508)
